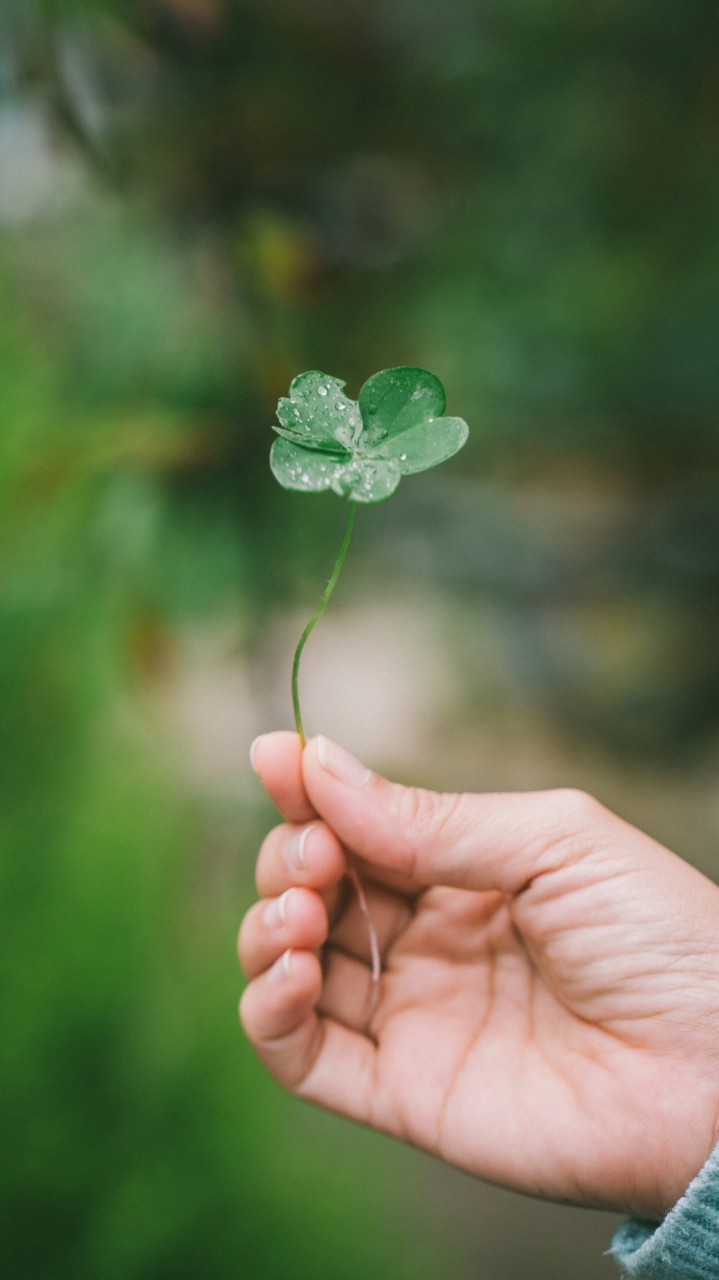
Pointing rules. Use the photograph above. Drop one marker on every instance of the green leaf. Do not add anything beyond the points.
(424, 446)
(309, 471)
(396, 400)
(361, 451)
(306, 470)
(317, 414)
(367, 479)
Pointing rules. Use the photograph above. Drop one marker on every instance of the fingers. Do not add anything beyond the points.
(277, 760)
(315, 1057)
(293, 915)
(309, 855)
(486, 841)
(297, 919)
(277, 1011)
(297, 922)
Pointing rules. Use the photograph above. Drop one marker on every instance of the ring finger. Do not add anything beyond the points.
(295, 919)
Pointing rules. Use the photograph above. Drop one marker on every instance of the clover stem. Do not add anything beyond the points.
(315, 619)
(354, 876)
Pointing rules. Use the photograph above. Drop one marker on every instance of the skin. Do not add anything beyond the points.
(548, 1012)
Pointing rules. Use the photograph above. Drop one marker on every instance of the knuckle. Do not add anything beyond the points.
(427, 814)
(577, 807)
(417, 810)
(580, 818)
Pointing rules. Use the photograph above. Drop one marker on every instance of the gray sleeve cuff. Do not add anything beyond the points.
(685, 1246)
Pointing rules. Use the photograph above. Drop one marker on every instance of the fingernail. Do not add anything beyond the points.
(276, 912)
(253, 751)
(341, 764)
(280, 970)
(296, 851)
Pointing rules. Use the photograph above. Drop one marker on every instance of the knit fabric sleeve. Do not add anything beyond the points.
(685, 1246)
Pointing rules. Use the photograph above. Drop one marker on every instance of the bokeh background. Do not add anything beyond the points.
(198, 199)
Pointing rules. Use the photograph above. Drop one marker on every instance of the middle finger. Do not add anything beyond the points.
(309, 855)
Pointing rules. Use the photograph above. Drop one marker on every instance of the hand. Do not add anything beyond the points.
(548, 1013)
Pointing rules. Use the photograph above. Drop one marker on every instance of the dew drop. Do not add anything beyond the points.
(322, 391)
(403, 457)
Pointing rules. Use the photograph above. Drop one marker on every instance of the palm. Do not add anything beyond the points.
(485, 1061)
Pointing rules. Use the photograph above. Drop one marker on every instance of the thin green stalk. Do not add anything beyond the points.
(315, 619)
(353, 872)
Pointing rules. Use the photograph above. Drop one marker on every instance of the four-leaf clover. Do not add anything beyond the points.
(362, 449)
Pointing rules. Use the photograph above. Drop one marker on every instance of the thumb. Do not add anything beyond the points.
(485, 841)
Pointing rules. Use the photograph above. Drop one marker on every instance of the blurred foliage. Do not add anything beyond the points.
(198, 198)
(205, 196)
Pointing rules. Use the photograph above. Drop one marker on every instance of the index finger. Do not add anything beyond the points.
(277, 760)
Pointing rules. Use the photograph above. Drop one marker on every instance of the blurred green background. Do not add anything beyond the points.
(198, 199)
